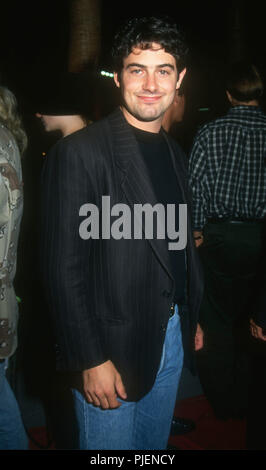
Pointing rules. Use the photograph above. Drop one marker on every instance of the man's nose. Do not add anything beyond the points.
(150, 82)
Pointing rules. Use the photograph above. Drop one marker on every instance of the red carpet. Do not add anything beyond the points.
(210, 433)
(40, 440)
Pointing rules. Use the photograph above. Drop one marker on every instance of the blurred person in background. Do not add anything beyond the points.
(63, 107)
(175, 113)
(65, 124)
(64, 112)
(228, 182)
(177, 120)
(13, 142)
(172, 116)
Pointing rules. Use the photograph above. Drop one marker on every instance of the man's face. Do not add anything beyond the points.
(148, 82)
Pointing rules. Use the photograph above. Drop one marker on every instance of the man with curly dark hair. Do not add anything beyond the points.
(125, 307)
(145, 31)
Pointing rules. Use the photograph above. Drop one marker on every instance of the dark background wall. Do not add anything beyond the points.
(35, 37)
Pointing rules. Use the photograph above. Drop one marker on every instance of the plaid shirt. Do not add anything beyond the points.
(227, 167)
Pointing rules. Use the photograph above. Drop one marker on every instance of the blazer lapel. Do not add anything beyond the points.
(135, 179)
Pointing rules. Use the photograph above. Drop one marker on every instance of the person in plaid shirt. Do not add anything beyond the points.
(228, 183)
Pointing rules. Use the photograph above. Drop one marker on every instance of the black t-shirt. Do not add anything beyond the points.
(156, 154)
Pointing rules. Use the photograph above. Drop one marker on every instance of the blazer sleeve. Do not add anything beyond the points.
(65, 256)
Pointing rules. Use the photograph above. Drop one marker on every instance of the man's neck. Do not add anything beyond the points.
(149, 126)
(245, 103)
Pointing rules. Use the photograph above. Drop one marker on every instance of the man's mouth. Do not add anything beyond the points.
(149, 99)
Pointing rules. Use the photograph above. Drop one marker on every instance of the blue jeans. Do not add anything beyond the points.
(141, 425)
(12, 432)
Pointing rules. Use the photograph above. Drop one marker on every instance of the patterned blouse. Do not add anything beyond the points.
(11, 207)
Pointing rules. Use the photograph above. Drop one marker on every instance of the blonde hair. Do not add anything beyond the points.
(9, 116)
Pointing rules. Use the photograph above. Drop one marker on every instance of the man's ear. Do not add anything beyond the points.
(229, 96)
(180, 78)
(116, 80)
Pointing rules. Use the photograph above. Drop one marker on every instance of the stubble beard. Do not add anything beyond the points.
(144, 115)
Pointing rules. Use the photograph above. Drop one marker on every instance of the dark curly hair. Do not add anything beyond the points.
(142, 32)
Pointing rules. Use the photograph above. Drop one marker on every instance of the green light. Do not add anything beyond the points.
(107, 74)
(204, 109)
(18, 299)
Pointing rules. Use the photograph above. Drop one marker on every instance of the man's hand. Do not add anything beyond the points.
(256, 331)
(102, 384)
(198, 237)
(199, 338)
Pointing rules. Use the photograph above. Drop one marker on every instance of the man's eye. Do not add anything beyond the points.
(163, 72)
(136, 71)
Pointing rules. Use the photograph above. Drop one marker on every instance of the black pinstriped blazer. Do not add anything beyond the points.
(109, 299)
